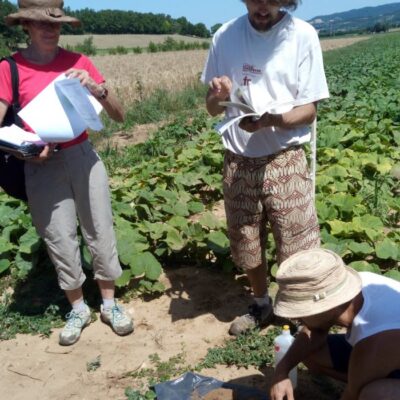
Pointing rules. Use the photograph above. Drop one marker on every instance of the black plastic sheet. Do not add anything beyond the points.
(183, 387)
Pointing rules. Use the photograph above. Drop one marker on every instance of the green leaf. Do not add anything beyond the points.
(218, 243)
(29, 242)
(393, 273)
(129, 241)
(387, 249)
(325, 212)
(364, 266)
(360, 248)
(23, 265)
(124, 279)
(5, 245)
(337, 171)
(178, 222)
(195, 207)
(209, 220)
(175, 240)
(4, 265)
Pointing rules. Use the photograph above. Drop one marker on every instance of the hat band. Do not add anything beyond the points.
(317, 296)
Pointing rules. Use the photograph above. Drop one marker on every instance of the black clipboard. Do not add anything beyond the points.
(25, 150)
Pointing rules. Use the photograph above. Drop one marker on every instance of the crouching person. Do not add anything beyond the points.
(316, 288)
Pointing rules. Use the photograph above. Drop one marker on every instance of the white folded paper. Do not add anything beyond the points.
(62, 111)
(15, 135)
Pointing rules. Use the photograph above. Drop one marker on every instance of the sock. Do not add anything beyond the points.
(108, 303)
(262, 301)
(79, 306)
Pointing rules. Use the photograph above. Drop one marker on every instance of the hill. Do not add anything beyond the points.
(361, 19)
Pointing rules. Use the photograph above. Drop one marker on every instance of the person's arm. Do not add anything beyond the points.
(306, 343)
(219, 90)
(110, 103)
(372, 359)
(3, 110)
(296, 117)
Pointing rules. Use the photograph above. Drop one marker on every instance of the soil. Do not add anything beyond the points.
(192, 316)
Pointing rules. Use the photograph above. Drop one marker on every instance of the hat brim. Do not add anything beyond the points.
(38, 15)
(295, 309)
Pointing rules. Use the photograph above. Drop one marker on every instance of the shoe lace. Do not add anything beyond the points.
(73, 320)
(117, 313)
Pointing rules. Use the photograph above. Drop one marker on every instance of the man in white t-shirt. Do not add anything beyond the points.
(316, 288)
(275, 61)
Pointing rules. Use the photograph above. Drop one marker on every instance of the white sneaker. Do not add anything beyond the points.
(76, 321)
(120, 322)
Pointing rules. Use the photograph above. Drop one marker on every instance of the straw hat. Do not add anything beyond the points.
(314, 281)
(40, 10)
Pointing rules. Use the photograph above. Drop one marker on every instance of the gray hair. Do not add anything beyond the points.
(287, 4)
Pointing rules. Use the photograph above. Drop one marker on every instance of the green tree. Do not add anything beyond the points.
(214, 28)
(10, 37)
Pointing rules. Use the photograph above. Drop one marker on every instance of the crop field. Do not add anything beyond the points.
(163, 194)
(136, 76)
(128, 41)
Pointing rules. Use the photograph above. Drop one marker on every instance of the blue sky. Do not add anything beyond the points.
(211, 12)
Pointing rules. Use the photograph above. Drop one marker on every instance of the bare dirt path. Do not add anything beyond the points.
(192, 316)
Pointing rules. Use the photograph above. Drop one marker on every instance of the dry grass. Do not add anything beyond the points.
(128, 41)
(331, 44)
(136, 76)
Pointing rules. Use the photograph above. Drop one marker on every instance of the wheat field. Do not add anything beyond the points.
(135, 76)
(128, 41)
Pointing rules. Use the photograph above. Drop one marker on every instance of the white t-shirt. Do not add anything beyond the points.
(282, 67)
(381, 309)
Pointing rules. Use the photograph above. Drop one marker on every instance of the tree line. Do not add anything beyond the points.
(131, 22)
(106, 22)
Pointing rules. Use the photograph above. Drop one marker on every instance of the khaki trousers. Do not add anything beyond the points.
(73, 183)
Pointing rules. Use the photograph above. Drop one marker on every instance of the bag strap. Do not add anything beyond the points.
(15, 88)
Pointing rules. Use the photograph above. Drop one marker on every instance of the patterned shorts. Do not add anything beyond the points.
(275, 190)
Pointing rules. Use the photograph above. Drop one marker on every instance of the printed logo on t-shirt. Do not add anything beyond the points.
(251, 69)
(246, 81)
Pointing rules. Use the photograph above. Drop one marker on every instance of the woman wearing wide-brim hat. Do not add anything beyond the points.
(72, 181)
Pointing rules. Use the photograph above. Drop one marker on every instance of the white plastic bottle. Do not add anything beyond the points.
(281, 346)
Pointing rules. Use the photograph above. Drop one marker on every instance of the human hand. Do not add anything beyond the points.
(250, 124)
(94, 88)
(45, 154)
(221, 87)
(282, 389)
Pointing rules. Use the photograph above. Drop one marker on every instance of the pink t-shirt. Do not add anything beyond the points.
(33, 78)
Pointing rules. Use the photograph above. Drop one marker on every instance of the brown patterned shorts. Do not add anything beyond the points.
(275, 189)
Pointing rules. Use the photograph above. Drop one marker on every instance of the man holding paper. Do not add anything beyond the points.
(71, 182)
(273, 62)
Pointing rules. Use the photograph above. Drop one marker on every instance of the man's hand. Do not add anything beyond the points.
(282, 389)
(220, 87)
(252, 125)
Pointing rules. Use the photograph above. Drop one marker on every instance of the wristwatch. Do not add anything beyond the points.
(103, 94)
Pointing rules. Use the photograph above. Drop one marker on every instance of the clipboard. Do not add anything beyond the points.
(25, 150)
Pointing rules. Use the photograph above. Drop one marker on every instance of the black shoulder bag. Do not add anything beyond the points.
(12, 176)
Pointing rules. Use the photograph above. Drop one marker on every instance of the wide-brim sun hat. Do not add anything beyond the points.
(312, 282)
(40, 10)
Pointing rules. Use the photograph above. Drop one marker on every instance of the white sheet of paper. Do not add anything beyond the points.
(15, 135)
(60, 112)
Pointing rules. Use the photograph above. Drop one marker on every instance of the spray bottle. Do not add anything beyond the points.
(281, 346)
